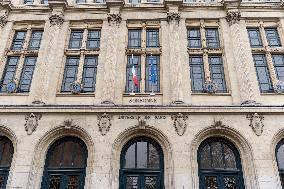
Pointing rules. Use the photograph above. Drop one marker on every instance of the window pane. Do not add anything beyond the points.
(129, 157)
(93, 39)
(229, 158)
(254, 37)
(9, 73)
(28, 1)
(134, 1)
(18, 40)
(230, 183)
(205, 158)
(151, 182)
(70, 73)
(54, 181)
(89, 73)
(44, 2)
(194, 38)
(212, 38)
(278, 62)
(142, 155)
(80, 1)
(134, 38)
(217, 155)
(262, 73)
(27, 74)
(152, 38)
(153, 159)
(196, 73)
(211, 182)
(35, 40)
(217, 72)
(76, 39)
(272, 37)
(6, 152)
(152, 74)
(280, 157)
(135, 62)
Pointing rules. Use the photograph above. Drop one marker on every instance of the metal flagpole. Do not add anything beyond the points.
(132, 74)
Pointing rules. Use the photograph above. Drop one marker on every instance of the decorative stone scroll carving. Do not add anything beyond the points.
(256, 123)
(173, 16)
(114, 18)
(104, 123)
(32, 122)
(3, 20)
(180, 123)
(68, 124)
(218, 124)
(233, 16)
(56, 19)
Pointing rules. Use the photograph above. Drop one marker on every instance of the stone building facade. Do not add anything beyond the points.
(218, 65)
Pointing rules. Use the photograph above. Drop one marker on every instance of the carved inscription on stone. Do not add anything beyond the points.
(256, 123)
(32, 122)
(180, 123)
(104, 123)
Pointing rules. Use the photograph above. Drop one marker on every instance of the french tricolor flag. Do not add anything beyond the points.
(134, 76)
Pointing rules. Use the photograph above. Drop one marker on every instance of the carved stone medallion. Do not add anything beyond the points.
(114, 18)
(3, 20)
(233, 17)
(56, 19)
(173, 16)
(180, 123)
(104, 123)
(256, 123)
(32, 122)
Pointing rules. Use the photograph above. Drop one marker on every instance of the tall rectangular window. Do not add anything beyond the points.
(272, 37)
(134, 1)
(35, 40)
(152, 38)
(28, 2)
(89, 73)
(93, 40)
(217, 72)
(212, 38)
(27, 74)
(133, 64)
(134, 38)
(254, 37)
(70, 73)
(19, 39)
(152, 74)
(262, 73)
(278, 62)
(75, 41)
(194, 38)
(196, 73)
(9, 73)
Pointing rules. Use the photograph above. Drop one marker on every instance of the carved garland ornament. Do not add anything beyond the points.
(114, 18)
(233, 17)
(56, 19)
(180, 123)
(173, 16)
(104, 123)
(256, 123)
(3, 20)
(32, 122)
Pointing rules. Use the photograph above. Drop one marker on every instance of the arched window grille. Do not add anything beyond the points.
(65, 165)
(280, 160)
(219, 165)
(142, 165)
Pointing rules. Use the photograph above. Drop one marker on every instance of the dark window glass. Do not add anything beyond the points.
(44, 2)
(217, 72)
(278, 62)
(76, 39)
(152, 74)
(19, 39)
(194, 38)
(254, 37)
(196, 73)
(27, 74)
(80, 1)
(70, 73)
(272, 37)
(262, 73)
(212, 38)
(133, 62)
(134, 1)
(6, 155)
(9, 73)
(99, 1)
(35, 40)
(152, 38)
(280, 160)
(93, 41)
(89, 73)
(134, 38)
(28, 2)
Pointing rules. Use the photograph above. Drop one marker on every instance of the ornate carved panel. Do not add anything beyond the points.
(56, 19)
(104, 123)
(256, 123)
(180, 123)
(32, 122)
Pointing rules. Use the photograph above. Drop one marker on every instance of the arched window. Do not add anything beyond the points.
(6, 155)
(65, 165)
(219, 165)
(141, 165)
(280, 160)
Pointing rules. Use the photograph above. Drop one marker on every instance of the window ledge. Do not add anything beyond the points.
(271, 93)
(142, 94)
(212, 94)
(75, 95)
(14, 94)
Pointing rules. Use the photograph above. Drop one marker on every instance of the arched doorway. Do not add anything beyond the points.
(219, 165)
(65, 165)
(142, 165)
(6, 155)
(280, 160)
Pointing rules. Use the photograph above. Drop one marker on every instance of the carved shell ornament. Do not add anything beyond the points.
(32, 122)
(104, 123)
(180, 123)
(256, 123)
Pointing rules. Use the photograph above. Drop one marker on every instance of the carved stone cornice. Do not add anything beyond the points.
(3, 20)
(114, 18)
(173, 17)
(256, 123)
(233, 16)
(56, 19)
